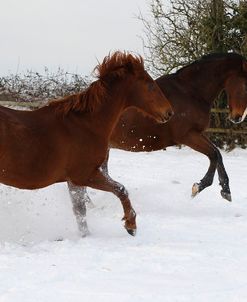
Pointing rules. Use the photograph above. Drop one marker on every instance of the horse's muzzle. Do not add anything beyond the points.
(236, 119)
(167, 116)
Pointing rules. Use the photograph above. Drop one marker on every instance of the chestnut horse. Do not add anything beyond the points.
(67, 140)
(191, 92)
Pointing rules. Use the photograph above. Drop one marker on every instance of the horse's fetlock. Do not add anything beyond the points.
(206, 182)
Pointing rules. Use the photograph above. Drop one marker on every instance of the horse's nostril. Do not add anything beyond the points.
(169, 114)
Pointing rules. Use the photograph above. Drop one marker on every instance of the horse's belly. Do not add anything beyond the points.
(29, 173)
(26, 179)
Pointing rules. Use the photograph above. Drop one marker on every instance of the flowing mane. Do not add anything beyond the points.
(114, 67)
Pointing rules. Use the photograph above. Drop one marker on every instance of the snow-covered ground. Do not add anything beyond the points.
(185, 250)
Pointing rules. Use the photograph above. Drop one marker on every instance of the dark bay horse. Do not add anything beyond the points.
(191, 92)
(67, 140)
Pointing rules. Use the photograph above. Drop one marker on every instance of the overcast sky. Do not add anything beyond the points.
(70, 34)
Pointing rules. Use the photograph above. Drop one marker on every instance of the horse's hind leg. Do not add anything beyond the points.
(79, 198)
(200, 143)
(102, 181)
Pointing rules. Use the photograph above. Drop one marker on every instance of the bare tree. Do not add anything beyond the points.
(183, 31)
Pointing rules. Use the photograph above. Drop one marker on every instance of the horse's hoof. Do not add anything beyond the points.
(132, 232)
(226, 195)
(195, 189)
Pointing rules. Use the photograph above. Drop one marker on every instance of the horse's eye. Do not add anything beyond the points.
(151, 87)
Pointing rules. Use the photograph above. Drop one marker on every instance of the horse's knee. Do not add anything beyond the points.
(121, 192)
(79, 207)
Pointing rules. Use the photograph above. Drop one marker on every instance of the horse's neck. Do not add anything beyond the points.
(207, 82)
(110, 112)
(104, 119)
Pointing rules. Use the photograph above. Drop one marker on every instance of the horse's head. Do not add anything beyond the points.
(236, 89)
(148, 97)
(134, 84)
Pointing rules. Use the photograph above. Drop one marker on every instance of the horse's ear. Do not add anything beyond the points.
(245, 66)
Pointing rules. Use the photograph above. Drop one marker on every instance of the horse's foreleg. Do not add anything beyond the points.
(104, 166)
(81, 193)
(79, 199)
(200, 143)
(102, 181)
(223, 179)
